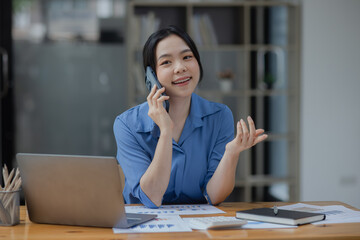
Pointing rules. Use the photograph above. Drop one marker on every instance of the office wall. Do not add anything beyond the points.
(330, 118)
(67, 96)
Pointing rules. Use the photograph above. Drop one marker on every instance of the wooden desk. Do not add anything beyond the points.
(28, 230)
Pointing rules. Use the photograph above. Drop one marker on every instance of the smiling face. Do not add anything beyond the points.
(176, 67)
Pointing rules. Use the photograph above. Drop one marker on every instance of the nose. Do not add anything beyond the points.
(180, 67)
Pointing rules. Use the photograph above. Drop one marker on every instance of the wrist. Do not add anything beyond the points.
(167, 132)
(232, 153)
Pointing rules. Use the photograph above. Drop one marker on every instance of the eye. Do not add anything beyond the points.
(165, 62)
(188, 57)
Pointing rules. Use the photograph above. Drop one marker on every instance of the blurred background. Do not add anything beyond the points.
(69, 67)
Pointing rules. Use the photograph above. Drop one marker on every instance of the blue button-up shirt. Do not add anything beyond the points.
(208, 128)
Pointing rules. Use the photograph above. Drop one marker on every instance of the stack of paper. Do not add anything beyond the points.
(334, 213)
(168, 219)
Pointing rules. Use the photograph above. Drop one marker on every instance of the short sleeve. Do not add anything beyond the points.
(134, 161)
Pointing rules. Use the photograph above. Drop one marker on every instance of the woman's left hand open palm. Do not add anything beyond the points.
(245, 137)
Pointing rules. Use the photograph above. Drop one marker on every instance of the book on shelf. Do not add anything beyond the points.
(204, 31)
(287, 217)
(143, 26)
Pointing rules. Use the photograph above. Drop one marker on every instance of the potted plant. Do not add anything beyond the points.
(226, 78)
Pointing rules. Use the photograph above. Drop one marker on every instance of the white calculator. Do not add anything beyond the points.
(215, 222)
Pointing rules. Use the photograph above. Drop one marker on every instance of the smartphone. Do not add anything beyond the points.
(151, 80)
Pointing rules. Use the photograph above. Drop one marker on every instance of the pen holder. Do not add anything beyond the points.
(9, 208)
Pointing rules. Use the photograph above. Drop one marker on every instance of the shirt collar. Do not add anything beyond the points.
(199, 109)
(144, 122)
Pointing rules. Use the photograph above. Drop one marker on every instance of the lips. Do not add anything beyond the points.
(182, 80)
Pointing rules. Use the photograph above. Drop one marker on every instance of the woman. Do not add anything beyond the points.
(186, 155)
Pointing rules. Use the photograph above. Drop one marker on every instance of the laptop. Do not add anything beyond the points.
(75, 190)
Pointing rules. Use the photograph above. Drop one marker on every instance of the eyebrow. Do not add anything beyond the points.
(168, 55)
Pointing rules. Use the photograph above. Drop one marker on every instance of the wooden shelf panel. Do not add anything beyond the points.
(262, 181)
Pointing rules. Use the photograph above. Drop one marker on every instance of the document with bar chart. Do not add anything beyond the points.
(175, 209)
(172, 223)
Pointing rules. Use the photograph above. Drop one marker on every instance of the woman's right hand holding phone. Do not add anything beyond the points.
(157, 112)
(155, 180)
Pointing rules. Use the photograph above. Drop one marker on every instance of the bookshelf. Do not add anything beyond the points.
(250, 51)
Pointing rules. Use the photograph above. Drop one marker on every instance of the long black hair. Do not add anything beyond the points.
(149, 55)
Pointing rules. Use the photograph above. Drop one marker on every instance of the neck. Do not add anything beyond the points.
(179, 109)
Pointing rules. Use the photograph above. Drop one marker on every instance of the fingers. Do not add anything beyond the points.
(150, 96)
(244, 130)
(245, 135)
(252, 135)
(239, 130)
(260, 138)
(259, 132)
(249, 136)
(154, 98)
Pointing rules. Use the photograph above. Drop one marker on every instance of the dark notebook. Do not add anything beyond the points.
(287, 217)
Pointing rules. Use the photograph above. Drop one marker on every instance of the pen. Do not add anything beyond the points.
(275, 210)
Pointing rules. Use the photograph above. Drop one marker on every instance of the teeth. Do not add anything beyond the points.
(181, 81)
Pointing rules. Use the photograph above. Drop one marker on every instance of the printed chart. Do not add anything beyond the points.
(175, 209)
(160, 224)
